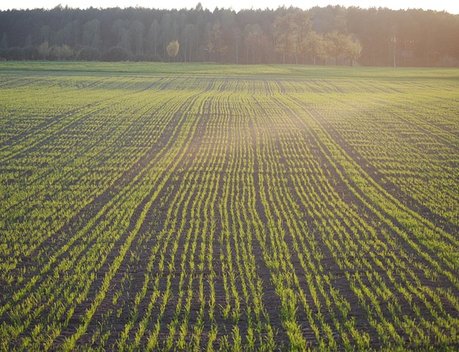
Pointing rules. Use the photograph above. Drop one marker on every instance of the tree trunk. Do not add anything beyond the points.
(237, 54)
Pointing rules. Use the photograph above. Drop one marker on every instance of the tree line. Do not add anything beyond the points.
(320, 35)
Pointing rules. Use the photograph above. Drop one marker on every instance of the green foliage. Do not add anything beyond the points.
(173, 48)
(373, 37)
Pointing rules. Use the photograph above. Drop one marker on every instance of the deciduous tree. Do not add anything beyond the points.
(173, 48)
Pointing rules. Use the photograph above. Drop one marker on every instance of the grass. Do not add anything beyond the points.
(210, 69)
(220, 207)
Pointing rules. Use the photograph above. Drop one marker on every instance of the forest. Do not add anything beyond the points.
(328, 35)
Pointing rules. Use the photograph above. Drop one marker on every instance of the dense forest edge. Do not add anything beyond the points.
(332, 35)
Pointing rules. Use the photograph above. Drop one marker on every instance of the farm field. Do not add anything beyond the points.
(210, 207)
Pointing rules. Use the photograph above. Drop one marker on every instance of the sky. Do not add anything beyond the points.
(451, 6)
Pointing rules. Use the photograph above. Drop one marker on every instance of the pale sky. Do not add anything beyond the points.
(451, 6)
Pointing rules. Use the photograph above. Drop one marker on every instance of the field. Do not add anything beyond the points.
(206, 207)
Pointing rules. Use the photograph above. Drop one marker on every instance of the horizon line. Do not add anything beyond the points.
(267, 8)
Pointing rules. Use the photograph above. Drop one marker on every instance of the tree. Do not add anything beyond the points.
(173, 48)
(335, 43)
(342, 47)
(314, 46)
(63, 52)
(290, 30)
(91, 33)
(43, 50)
(121, 34)
(136, 31)
(216, 45)
(45, 33)
(166, 30)
(28, 41)
(254, 42)
(237, 35)
(4, 42)
(281, 30)
(152, 38)
(329, 19)
(352, 50)
(251, 34)
(301, 25)
(189, 38)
